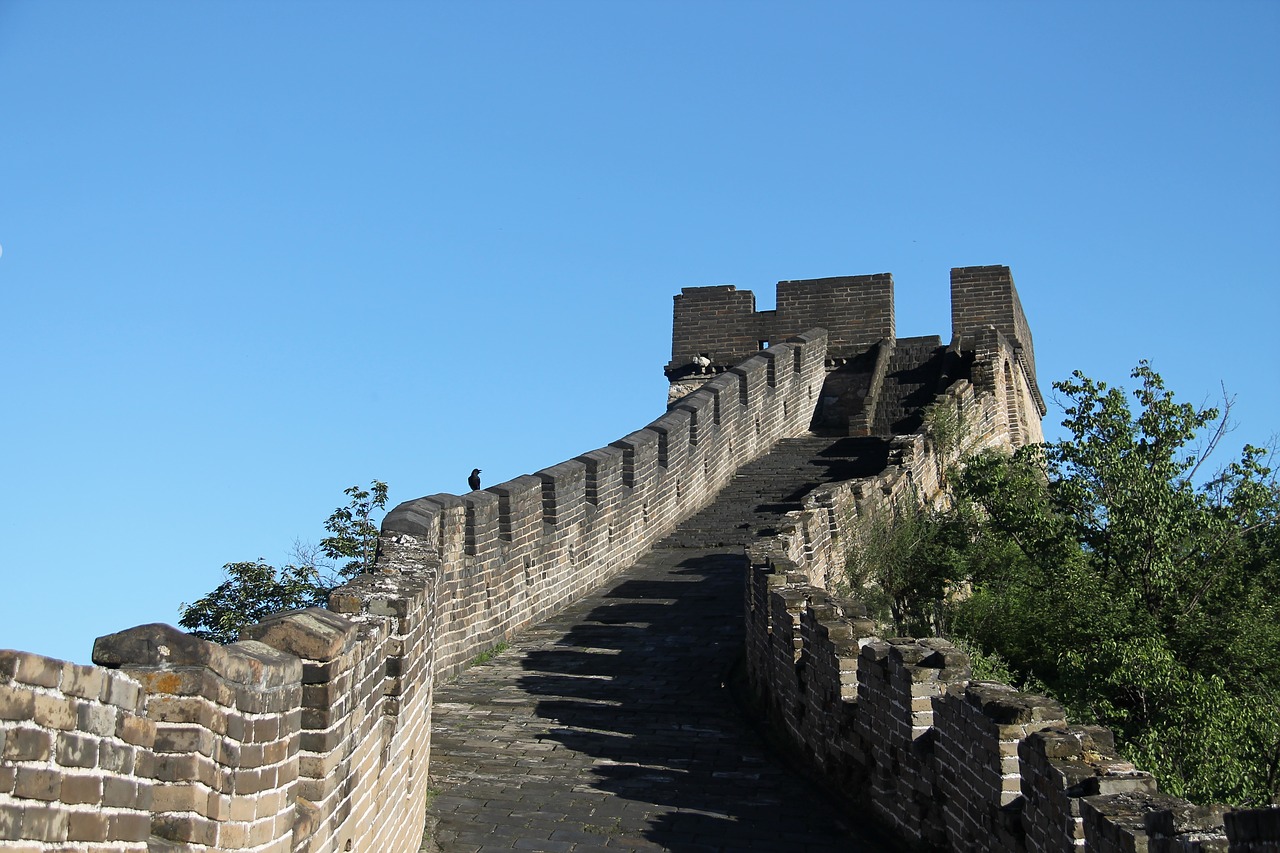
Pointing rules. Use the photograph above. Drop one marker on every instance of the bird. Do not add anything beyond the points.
(474, 480)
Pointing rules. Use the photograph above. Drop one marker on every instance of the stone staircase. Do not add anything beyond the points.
(753, 504)
(913, 378)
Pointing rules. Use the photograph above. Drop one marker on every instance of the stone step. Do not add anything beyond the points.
(762, 492)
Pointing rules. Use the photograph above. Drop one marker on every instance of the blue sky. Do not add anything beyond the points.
(256, 253)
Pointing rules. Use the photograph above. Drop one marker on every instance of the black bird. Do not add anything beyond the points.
(474, 480)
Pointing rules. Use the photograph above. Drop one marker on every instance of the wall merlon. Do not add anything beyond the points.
(674, 432)
(603, 470)
(519, 507)
(564, 493)
(480, 534)
(703, 408)
(419, 517)
(639, 458)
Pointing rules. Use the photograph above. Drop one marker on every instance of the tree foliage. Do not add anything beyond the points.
(1140, 592)
(254, 590)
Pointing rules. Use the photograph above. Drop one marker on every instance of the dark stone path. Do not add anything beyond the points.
(611, 726)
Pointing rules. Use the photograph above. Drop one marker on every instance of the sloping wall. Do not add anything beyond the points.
(312, 734)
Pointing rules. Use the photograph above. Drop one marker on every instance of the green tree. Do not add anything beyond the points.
(254, 590)
(353, 535)
(908, 556)
(1142, 599)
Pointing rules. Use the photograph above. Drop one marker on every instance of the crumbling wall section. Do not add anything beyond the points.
(897, 725)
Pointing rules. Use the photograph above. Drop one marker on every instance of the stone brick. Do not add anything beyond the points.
(42, 823)
(96, 719)
(116, 758)
(84, 682)
(76, 750)
(37, 670)
(10, 820)
(175, 798)
(120, 793)
(81, 789)
(54, 712)
(26, 744)
(34, 783)
(128, 827)
(87, 826)
(16, 703)
(134, 730)
(187, 828)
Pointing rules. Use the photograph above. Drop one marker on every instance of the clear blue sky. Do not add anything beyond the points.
(256, 253)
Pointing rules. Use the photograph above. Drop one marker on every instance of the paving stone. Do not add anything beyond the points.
(610, 726)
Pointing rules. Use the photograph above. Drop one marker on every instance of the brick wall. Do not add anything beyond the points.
(857, 311)
(312, 733)
(511, 554)
(721, 322)
(985, 296)
(78, 765)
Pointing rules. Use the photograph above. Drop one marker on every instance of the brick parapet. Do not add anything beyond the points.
(982, 725)
(227, 720)
(77, 759)
(720, 323)
(520, 564)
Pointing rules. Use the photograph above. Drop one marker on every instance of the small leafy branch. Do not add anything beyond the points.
(255, 589)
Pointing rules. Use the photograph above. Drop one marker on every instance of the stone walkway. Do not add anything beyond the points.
(611, 727)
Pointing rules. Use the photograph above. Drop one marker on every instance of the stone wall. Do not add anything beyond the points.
(898, 725)
(721, 323)
(312, 733)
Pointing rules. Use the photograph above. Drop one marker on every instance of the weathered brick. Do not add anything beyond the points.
(38, 670)
(16, 702)
(128, 827)
(85, 682)
(120, 793)
(54, 712)
(96, 719)
(42, 823)
(35, 783)
(82, 789)
(138, 731)
(26, 744)
(10, 819)
(87, 826)
(75, 750)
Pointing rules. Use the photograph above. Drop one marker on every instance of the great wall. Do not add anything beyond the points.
(314, 732)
